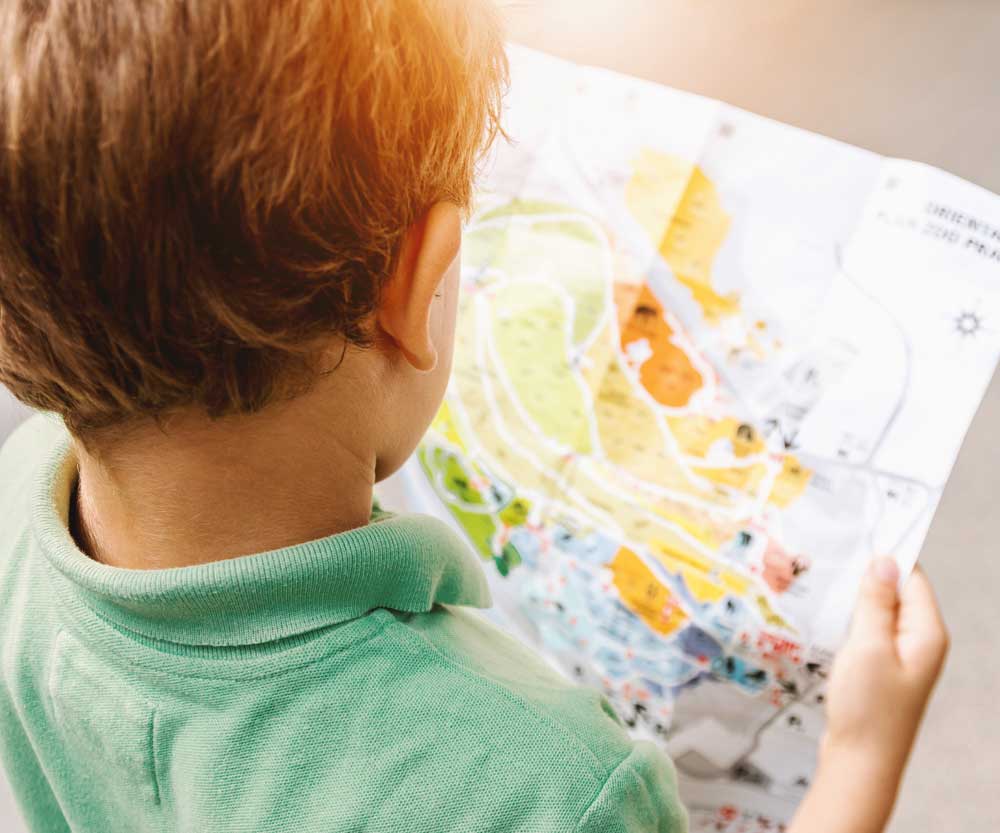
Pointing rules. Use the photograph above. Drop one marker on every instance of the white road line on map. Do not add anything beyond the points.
(709, 378)
(907, 352)
(678, 330)
(748, 462)
(707, 371)
(481, 312)
(601, 239)
(677, 530)
(486, 332)
(671, 445)
(658, 410)
(733, 512)
(507, 220)
(759, 501)
(476, 449)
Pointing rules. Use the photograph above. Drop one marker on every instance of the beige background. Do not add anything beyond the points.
(910, 78)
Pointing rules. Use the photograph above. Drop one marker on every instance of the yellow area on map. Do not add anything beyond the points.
(707, 585)
(745, 478)
(522, 247)
(529, 324)
(632, 438)
(679, 208)
(644, 594)
(444, 424)
(626, 425)
(697, 433)
(678, 525)
(770, 616)
(485, 414)
(692, 241)
(655, 189)
(790, 482)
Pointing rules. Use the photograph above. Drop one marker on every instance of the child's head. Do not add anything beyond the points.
(203, 206)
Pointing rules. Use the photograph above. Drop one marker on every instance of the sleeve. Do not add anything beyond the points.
(23, 779)
(639, 796)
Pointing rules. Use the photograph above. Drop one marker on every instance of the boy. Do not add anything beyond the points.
(229, 258)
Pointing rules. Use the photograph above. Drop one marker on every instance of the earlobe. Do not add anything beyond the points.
(404, 314)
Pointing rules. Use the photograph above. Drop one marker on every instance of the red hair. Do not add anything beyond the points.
(193, 196)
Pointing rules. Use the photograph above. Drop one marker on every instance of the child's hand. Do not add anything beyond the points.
(883, 676)
(880, 684)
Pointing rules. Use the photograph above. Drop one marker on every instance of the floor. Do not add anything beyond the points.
(910, 78)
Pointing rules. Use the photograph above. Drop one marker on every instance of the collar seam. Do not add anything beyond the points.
(147, 655)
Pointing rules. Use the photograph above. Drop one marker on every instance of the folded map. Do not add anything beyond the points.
(707, 366)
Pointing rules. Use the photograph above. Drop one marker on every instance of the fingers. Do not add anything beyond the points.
(918, 605)
(875, 616)
(921, 625)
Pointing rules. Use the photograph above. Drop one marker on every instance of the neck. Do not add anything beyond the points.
(201, 490)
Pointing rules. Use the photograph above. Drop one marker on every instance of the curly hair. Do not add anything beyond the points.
(195, 195)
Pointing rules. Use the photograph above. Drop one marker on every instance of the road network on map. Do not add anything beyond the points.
(587, 444)
(689, 401)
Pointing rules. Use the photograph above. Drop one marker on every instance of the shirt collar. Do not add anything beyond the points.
(402, 562)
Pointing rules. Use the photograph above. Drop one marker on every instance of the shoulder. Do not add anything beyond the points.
(498, 666)
(21, 456)
(562, 733)
(21, 452)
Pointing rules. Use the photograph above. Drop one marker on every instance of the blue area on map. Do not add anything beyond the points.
(740, 672)
(698, 643)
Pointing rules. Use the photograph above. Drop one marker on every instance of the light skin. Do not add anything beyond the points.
(879, 687)
(196, 490)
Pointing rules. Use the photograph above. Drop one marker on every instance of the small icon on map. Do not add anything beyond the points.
(968, 324)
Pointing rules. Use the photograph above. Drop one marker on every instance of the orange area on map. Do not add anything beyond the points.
(644, 594)
(626, 296)
(667, 373)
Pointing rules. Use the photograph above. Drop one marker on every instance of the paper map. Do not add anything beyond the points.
(706, 366)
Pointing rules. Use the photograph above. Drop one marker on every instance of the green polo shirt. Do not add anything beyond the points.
(338, 685)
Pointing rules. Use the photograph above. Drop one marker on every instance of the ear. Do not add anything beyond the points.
(429, 247)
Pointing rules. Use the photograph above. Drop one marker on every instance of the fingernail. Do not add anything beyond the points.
(885, 570)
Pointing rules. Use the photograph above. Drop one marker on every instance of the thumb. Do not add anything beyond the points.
(877, 609)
